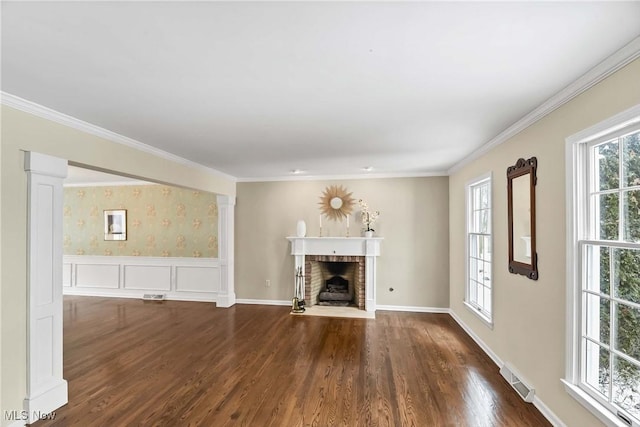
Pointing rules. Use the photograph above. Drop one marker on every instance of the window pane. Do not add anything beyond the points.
(487, 274)
(628, 330)
(479, 247)
(631, 206)
(487, 300)
(598, 316)
(597, 368)
(607, 166)
(481, 221)
(608, 216)
(626, 279)
(484, 196)
(482, 272)
(476, 221)
(598, 271)
(473, 292)
(485, 226)
(486, 248)
(626, 386)
(480, 295)
(473, 246)
(631, 159)
(473, 269)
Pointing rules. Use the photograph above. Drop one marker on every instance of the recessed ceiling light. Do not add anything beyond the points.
(297, 171)
(367, 168)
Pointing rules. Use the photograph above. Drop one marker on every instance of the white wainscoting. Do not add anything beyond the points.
(184, 279)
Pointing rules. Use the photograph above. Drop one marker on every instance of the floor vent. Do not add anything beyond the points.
(524, 390)
(153, 297)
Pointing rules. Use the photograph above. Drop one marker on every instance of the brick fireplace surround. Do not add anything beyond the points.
(362, 250)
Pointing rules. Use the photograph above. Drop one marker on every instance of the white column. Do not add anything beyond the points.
(46, 389)
(298, 252)
(372, 251)
(226, 210)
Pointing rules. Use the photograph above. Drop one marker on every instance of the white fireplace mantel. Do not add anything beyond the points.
(368, 247)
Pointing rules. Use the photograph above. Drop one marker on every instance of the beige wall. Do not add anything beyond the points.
(413, 221)
(25, 132)
(1, 280)
(529, 316)
(162, 221)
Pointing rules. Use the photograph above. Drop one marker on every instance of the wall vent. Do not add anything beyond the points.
(519, 385)
(153, 297)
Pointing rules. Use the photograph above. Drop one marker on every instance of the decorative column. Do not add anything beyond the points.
(297, 250)
(371, 252)
(226, 211)
(46, 389)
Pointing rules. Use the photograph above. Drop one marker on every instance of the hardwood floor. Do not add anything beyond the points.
(132, 363)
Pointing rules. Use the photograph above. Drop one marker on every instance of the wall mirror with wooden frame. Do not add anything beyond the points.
(521, 202)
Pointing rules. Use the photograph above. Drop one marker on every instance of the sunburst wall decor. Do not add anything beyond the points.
(336, 203)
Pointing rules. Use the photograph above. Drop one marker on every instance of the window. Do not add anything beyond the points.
(605, 272)
(478, 292)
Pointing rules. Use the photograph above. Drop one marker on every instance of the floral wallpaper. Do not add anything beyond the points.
(161, 221)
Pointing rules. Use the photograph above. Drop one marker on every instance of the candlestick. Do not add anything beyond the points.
(347, 225)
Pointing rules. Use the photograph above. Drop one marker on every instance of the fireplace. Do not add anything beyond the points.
(324, 275)
(313, 254)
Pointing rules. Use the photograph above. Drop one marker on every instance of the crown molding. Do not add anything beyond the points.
(108, 184)
(55, 116)
(613, 63)
(343, 177)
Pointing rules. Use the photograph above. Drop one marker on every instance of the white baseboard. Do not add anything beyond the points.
(53, 398)
(123, 293)
(414, 309)
(226, 300)
(263, 301)
(544, 409)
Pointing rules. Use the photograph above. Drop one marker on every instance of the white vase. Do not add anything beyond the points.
(301, 228)
(368, 234)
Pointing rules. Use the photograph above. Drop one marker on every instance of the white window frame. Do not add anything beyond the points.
(486, 317)
(577, 211)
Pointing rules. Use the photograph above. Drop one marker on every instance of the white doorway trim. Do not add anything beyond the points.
(46, 389)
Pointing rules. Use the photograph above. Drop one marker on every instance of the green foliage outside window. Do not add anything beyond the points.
(626, 269)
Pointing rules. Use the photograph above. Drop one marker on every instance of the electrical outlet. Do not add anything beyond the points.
(267, 283)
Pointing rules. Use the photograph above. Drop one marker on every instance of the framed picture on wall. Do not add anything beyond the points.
(115, 224)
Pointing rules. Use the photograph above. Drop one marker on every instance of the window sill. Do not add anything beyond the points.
(481, 316)
(603, 414)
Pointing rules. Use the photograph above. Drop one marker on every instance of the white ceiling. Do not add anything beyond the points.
(259, 89)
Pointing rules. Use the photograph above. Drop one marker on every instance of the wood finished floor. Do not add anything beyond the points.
(133, 363)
